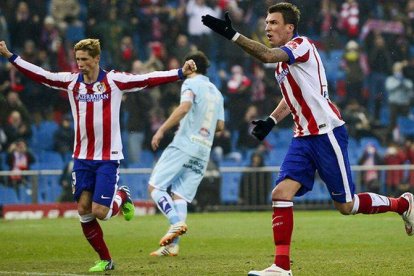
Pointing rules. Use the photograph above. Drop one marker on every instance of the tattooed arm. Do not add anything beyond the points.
(281, 111)
(260, 51)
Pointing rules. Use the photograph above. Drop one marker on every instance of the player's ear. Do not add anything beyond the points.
(290, 28)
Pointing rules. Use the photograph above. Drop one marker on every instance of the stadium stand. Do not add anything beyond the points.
(406, 126)
(229, 189)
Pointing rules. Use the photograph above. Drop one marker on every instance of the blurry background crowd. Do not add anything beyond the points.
(366, 46)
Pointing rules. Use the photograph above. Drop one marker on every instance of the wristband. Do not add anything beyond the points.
(181, 74)
(13, 57)
(235, 37)
(273, 118)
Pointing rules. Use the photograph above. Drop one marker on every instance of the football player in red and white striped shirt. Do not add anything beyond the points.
(320, 139)
(95, 97)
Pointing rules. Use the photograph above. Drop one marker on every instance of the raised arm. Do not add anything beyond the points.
(36, 73)
(4, 51)
(250, 46)
(132, 83)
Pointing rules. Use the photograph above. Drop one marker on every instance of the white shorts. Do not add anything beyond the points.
(179, 170)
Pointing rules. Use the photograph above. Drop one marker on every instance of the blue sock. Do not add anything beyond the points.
(165, 205)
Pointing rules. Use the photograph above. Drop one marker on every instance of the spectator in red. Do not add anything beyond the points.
(409, 146)
(370, 179)
(394, 156)
(10, 104)
(19, 158)
(126, 54)
(238, 93)
(16, 129)
(349, 18)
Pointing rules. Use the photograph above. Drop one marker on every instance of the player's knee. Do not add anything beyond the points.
(281, 194)
(150, 190)
(83, 210)
(344, 208)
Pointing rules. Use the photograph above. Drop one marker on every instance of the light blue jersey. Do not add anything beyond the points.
(183, 163)
(196, 132)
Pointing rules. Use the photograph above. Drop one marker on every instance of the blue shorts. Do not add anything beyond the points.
(179, 170)
(326, 153)
(98, 177)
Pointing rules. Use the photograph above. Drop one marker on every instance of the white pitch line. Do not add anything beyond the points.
(38, 273)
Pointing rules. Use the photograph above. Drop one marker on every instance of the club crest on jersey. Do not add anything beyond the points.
(204, 132)
(99, 87)
(292, 45)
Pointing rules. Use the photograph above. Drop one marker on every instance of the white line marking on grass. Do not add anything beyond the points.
(38, 273)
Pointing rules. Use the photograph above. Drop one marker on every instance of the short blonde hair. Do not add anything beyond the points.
(92, 46)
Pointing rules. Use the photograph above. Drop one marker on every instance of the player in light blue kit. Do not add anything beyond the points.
(183, 163)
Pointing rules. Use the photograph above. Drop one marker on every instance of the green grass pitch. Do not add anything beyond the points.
(231, 243)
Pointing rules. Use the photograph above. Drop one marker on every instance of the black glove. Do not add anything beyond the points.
(222, 27)
(262, 128)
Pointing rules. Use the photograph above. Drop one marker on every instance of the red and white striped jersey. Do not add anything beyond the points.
(95, 107)
(305, 89)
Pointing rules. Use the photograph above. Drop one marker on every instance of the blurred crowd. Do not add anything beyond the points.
(366, 47)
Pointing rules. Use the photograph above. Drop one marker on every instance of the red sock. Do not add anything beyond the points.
(370, 203)
(123, 195)
(115, 209)
(120, 198)
(282, 224)
(93, 233)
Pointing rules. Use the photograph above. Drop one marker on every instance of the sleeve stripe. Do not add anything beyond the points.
(290, 54)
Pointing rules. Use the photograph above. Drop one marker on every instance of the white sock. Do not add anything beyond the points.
(165, 205)
(181, 207)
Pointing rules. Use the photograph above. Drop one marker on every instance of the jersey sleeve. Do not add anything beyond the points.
(298, 50)
(59, 80)
(128, 82)
(187, 94)
(221, 110)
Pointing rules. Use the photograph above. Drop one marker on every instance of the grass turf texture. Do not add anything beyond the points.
(232, 243)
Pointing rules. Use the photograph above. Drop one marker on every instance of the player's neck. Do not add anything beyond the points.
(91, 76)
(192, 75)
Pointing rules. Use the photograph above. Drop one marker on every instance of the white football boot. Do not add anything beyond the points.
(408, 216)
(273, 270)
(174, 231)
(167, 250)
